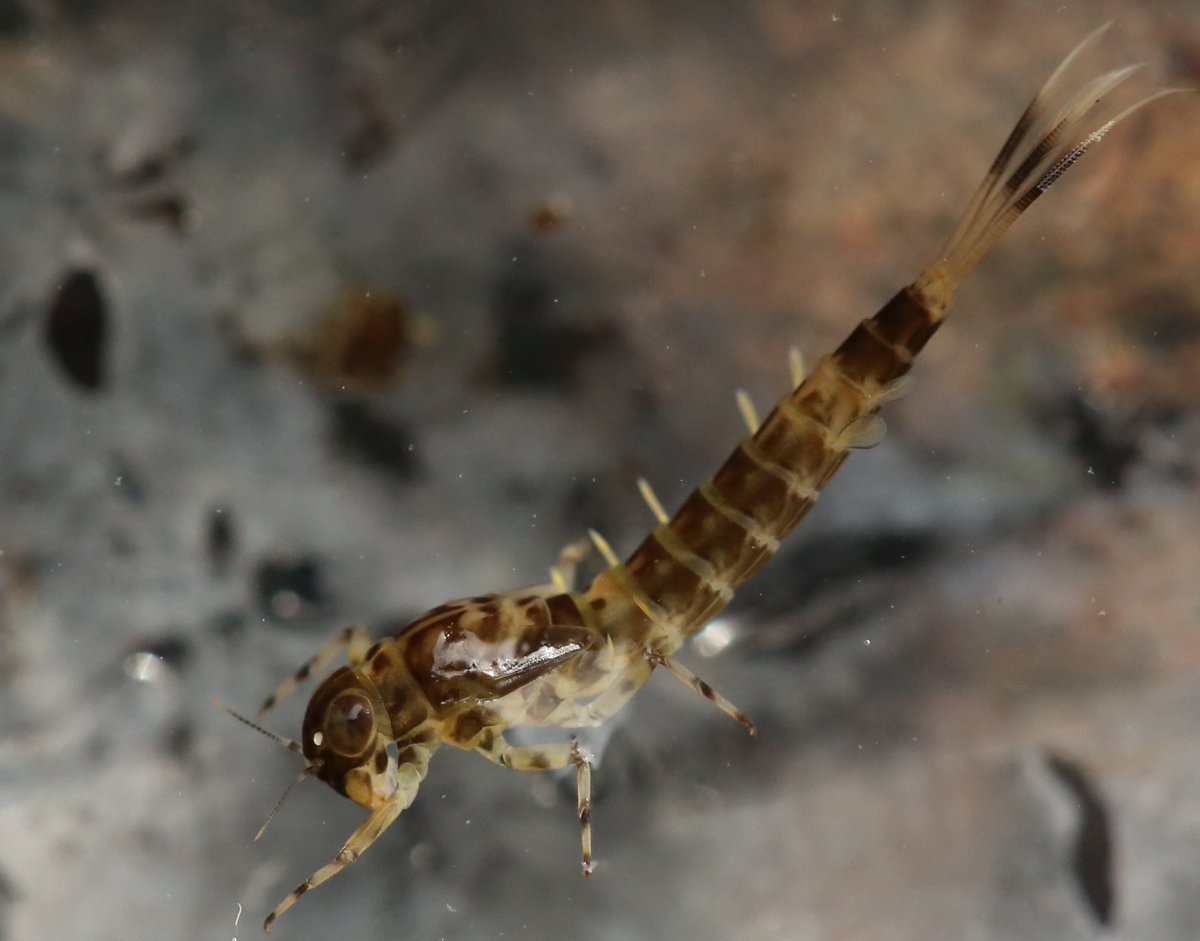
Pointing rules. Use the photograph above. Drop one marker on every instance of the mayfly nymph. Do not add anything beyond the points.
(468, 671)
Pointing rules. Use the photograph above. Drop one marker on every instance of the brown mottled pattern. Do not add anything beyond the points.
(772, 478)
(884, 347)
(565, 609)
(465, 727)
(473, 649)
(386, 667)
(756, 492)
(828, 397)
(335, 766)
(528, 622)
(618, 614)
(667, 580)
(419, 640)
(726, 542)
(484, 619)
(539, 763)
(796, 441)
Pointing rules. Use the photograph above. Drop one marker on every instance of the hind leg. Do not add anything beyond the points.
(693, 682)
(553, 758)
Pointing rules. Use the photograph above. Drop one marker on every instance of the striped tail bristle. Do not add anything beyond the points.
(1056, 129)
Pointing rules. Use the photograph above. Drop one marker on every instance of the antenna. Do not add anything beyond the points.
(287, 743)
(305, 774)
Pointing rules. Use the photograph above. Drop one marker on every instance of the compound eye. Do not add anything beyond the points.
(349, 724)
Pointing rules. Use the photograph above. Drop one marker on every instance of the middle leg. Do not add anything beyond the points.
(354, 640)
(552, 758)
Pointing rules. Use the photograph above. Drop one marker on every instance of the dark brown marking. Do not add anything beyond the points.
(550, 215)
(585, 815)
(829, 397)
(865, 355)
(712, 535)
(904, 321)
(361, 343)
(398, 694)
(408, 755)
(381, 761)
(467, 726)
(488, 626)
(791, 441)
(669, 583)
(757, 493)
(534, 620)
(563, 611)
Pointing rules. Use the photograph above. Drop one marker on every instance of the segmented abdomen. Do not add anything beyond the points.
(685, 571)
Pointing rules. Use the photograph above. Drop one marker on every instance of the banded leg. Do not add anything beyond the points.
(553, 758)
(410, 777)
(353, 639)
(681, 672)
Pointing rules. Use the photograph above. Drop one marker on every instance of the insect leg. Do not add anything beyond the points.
(571, 714)
(687, 676)
(613, 699)
(355, 639)
(553, 758)
(583, 801)
(381, 818)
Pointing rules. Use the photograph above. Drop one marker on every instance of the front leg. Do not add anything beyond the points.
(553, 758)
(410, 777)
